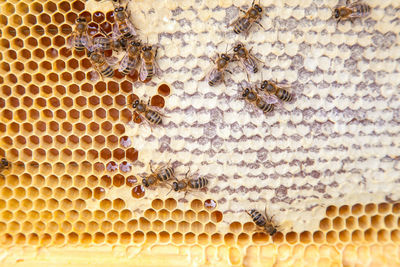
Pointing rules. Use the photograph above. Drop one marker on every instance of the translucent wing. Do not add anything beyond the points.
(70, 41)
(87, 41)
(124, 62)
(116, 33)
(94, 76)
(271, 99)
(112, 60)
(250, 65)
(131, 27)
(143, 71)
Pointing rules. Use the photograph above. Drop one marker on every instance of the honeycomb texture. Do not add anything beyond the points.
(325, 165)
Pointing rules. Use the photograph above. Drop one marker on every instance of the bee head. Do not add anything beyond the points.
(264, 84)
(225, 57)
(4, 162)
(246, 92)
(175, 186)
(237, 47)
(336, 13)
(135, 104)
(258, 8)
(145, 183)
(135, 43)
(273, 232)
(80, 19)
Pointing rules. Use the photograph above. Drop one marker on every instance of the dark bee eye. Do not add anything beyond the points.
(337, 15)
(259, 9)
(236, 49)
(120, 9)
(247, 91)
(116, 9)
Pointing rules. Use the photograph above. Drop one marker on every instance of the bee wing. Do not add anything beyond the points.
(271, 99)
(112, 60)
(131, 27)
(87, 41)
(70, 41)
(95, 75)
(124, 62)
(116, 33)
(143, 71)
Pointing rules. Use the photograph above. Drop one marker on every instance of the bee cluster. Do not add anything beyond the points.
(124, 39)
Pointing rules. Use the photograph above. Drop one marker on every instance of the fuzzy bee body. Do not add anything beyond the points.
(217, 74)
(351, 11)
(272, 88)
(252, 97)
(102, 65)
(149, 66)
(263, 222)
(198, 183)
(151, 116)
(165, 174)
(79, 38)
(245, 22)
(189, 183)
(123, 26)
(131, 58)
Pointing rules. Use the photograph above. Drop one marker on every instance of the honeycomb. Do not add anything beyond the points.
(326, 166)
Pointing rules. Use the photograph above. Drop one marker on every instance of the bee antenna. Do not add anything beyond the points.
(169, 191)
(103, 32)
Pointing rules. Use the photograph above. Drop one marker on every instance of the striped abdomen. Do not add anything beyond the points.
(258, 218)
(79, 45)
(241, 25)
(250, 65)
(130, 65)
(361, 10)
(284, 95)
(150, 70)
(264, 106)
(125, 31)
(166, 174)
(199, 183)
(153, 117)
(107, 71)
(215, 77)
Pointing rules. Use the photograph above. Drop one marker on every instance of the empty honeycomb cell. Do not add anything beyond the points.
(86, 238)
(370, 235)
(157, 225)
(203, 216)
(13, 227)
(92, 227)
(376, 221)
(20, 239)
(26, 204)
(12, 204)
(216, 216)
(370, 208)
(229, 239)
(45, 239)
(338, 223)
(183, 226)
(112, 215)
(235, 227)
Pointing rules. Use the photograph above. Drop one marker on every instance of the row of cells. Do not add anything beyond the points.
(41, 148)
(106, 233)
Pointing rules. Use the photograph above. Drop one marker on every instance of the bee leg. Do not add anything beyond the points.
(259, 24)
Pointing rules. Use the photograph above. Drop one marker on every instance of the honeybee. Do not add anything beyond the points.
(151, 116)
(263, 221)
(107, 43)
(217, 74)
(102, 64)
(131, 58)
(252, 97)
(4, 165)
(245, 22)
(273, 89)
(244, 56)
(123, 26)
(161, 174)
(187, 183)
(149, 66)
(351, 11)
(80, 38)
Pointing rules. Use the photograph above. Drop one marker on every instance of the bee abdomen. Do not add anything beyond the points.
(363, 10)
(127, 70)
(153, 117)
(79, 46)
(265, 107)
(284, 95)
(258, 218)
(166, 173)
(241, 26)
(199, 183)
(108, 72)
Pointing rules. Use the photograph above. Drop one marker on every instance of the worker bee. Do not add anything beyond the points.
(123, 26)
(107, 43)
(152, 117)
(149, 66)
(102, 64)
(217, 74)
(189, 183)
(273, 89)
(244, 56)
(252, 97)
(245, 22)
(4, 165)
(131, 58)
(351, 11)
(263, 221)
(80, 38)
(161, 174)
